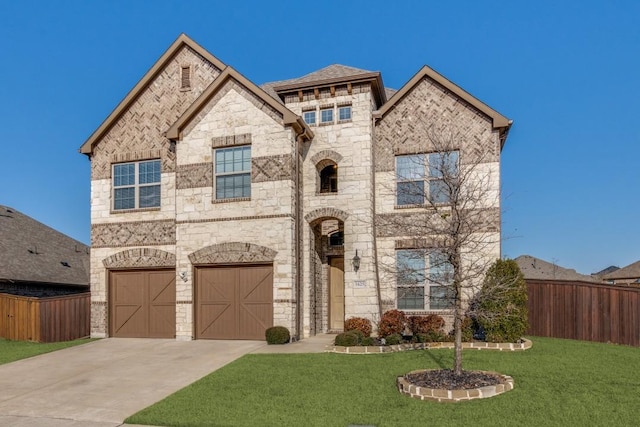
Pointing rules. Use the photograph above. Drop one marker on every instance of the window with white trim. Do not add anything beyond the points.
(326, 115)
(310, 117)
(344, 113)
(423, 280)
(136, 185)
(232, 169)
(425, 178)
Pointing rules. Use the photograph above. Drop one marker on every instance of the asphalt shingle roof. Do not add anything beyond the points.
(33, 252)
(535, 268)
(631, 271)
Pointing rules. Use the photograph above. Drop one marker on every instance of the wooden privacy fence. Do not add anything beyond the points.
(584, 311)
(49, 319)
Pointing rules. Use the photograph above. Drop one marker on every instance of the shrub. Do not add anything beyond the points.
(431, 336)
(392, 322)
(501, 304)
(426, 324)
(368, 341)
(277, 335)
(358, 323)
(393, 339)
(467, 331)
(349, 338)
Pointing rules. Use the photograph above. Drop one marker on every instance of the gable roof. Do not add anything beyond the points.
(535, 268)
(327, 76)
(33, 252)
(228, 73)
(631, 271)
(499, 121)
(607, 270)
(181, 41)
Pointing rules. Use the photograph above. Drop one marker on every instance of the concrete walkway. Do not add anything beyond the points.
(101, 383)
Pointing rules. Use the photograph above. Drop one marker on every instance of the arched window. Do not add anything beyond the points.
(329, 179)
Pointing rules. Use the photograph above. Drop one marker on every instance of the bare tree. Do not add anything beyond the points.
(449, 233)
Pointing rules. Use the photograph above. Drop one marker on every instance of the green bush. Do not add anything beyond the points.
(426, 324)
(467, 331)
(393, 339)
(392, 322)
(358, 323)
(349, 338)
(368, 341)
(501, 304)
(431, 336)
(277, 335)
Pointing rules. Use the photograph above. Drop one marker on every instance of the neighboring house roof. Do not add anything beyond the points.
(607, 270)
(631, 271)
(160, 64)
(327, 76)
(535, 268)
(499, 121)
(33, 252)
(289, 117)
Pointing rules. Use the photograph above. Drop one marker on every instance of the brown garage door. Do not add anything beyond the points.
(234, 302)
(142, 304)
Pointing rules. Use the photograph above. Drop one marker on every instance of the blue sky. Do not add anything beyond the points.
(566, 72)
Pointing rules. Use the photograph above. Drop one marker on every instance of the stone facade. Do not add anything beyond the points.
(288, 221)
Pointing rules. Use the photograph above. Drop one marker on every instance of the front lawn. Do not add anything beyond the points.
(10, 351)
(557, 382)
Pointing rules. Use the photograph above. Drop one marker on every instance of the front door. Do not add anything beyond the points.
(336, 293)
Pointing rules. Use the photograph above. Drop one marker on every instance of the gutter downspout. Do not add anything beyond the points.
(298, 231)
(373, 214)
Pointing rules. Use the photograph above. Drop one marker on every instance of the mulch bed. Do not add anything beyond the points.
(446, 379)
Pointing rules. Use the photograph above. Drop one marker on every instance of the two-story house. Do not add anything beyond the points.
(220, 208)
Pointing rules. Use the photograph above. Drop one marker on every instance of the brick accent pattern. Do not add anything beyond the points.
(233, 252)
(272, 168)
(411, 223)
(235, 218)
(340, 90)
(231, 140)
(141, 127)
(326, 155)
(143, 233)
(326, 213)
(140, 257)
(429, 109)
(194, 175)
(246, 93)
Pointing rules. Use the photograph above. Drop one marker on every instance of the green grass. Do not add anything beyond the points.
(557, 383)
(10, 351)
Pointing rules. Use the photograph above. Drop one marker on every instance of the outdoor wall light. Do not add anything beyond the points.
(356, 262)
(183, 276)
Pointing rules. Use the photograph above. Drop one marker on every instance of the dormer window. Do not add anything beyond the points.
(329, 179)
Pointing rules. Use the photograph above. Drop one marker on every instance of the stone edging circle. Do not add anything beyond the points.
(443, 395)
(524, 345)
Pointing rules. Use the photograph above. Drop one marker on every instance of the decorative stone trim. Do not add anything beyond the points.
(134, 156)
(184, 302)
(126, 211)
(235, 218)
(524, 345)
(326, 213)
(140, 233)
(231, 140)
(194, 175)
(233, 252)
(285, 301)
(235, 199)
(98, 303)
(272, 168)
(140, 257)
(328, 155)
(443, 395)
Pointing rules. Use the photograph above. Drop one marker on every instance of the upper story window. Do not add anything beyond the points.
(424, 279)
(310, 117)
(344, 113)
(329, 179)
(136, 185)
(426, 178)
(233, 172)
(326, 115)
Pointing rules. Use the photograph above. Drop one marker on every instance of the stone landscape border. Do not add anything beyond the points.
(443, 395)
(524, 345)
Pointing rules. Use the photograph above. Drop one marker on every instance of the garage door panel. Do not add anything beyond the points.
(142, 304)
(213, 321)
(234, 302)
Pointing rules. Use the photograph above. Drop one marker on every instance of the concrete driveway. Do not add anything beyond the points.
(101, 383)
